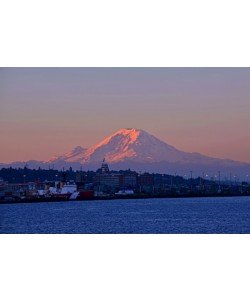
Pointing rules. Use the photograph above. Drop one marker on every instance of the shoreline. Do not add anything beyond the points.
(141, 197)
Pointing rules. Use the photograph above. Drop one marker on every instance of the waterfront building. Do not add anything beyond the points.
(80, 177)
(80, 180)
(107, 182)
(128, 180)
(104, 167)
(146, 179)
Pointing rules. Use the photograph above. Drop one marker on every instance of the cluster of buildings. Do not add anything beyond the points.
(126, 182)
(105, 184)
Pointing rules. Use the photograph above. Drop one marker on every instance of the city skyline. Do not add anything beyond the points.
(47, 111)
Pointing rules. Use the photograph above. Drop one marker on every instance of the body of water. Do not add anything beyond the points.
(184, 215)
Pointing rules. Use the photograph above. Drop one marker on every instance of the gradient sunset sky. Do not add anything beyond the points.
(48, 111)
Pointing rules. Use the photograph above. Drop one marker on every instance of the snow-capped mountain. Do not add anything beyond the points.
(131, 144)
(140, 151)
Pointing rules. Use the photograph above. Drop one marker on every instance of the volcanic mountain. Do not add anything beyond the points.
(141, 151)
(130, 145)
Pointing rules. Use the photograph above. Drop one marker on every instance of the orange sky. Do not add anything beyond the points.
(47, 111)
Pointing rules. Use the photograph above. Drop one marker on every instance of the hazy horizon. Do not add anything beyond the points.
(48, 111)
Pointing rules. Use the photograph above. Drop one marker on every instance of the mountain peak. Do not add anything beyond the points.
(128, 131)
(71, 156)
(132, 133)
(124, 144)
(131, 146)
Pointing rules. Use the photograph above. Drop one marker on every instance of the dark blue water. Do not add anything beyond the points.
(190, 215)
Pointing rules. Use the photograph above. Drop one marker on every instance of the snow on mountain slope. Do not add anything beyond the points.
(140, 151)
(72, 156)
(130, 144)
